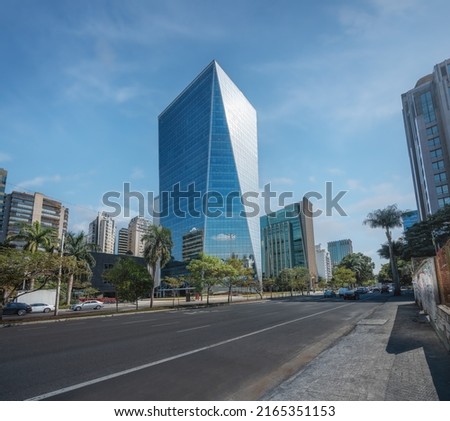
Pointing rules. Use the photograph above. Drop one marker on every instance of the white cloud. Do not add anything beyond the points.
(39, 181)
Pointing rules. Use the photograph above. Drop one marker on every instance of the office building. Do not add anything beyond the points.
(102, 233)
(208, 159)
(3, 176)
(323, 261)
(287, 240)
(122, 243)
(26, 208)
(137, 228)
(192, 244)
(426, 116)
(339, 249)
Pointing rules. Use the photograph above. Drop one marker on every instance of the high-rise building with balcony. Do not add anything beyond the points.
(323, 261)
(102, 232)
(137, 228)
(3, 176)
(208, 160)
(339, 249)
(26, 208)
(426, 116)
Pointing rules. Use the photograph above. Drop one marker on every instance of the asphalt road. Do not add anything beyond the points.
(230, 352)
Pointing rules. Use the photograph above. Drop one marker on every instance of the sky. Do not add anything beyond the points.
(83, 83)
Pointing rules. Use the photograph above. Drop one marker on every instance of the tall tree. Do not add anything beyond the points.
(75, 245)
(387, 218)
(301, 279)
(36, 237)
(207, 271)
(130, 279)
(360, 264)
(343, 277)
(234, 274)
(157, 248)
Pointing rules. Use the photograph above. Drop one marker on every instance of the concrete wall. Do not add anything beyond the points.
(427, 297)
(46, 296)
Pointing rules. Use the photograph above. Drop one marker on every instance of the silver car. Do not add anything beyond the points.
(88, 305)
(42, 308)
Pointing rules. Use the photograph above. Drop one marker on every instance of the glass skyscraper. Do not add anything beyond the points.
(426, 115)
(288, 240)
(208, 159)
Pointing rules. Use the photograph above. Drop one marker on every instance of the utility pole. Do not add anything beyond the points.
(58, 286)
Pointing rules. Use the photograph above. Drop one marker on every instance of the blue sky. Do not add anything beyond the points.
(82, 84)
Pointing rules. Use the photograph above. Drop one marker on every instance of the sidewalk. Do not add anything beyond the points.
(393, 355)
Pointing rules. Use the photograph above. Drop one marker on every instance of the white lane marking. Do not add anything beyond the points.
(148, 321)
(193, 328)
(174, 357)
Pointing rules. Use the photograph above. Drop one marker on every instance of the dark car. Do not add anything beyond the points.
(329, 294)
(385, 288)
(16, 308)
(351, 294)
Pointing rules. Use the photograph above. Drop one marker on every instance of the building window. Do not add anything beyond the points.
(433, 130)
(437, 153)
(439, 178)
(427, 107)
(438, 165)
(444, 201)
(435, 141)
(440, 190)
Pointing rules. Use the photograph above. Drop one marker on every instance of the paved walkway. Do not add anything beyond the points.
(392, 355)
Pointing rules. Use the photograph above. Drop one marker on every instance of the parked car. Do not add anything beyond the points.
(351, 294)
(88, 305)
(16, 308)
(385, 288)
(375, 289)
(342, 292)
(42, 308)
(329, 294)
(362, 290)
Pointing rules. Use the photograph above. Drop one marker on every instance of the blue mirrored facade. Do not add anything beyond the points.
(208, 158)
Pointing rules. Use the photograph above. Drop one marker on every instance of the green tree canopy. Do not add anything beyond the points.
(343, 277)
(360, 264)
(131, 280)
(207, 271)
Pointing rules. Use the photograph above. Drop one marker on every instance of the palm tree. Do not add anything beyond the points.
(36, 236)
(157, 248)
(76, 246)
(388, 218)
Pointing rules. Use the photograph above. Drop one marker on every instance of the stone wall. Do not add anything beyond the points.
(426, 292)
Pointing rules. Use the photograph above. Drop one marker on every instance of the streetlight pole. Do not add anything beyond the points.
(58, 286)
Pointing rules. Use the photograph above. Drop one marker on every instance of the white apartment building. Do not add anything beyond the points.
(102, 232)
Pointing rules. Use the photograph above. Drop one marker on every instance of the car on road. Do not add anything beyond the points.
(362, 290)
(385, 288)
(342, 292)
(16, 308)
(87, 305)
(329, 294)
(351, 294)
(42, 308)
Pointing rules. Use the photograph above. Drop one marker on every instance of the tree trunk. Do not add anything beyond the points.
(69, 289)
(394, 270)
